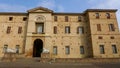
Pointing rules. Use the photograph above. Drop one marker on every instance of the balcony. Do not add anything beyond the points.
(35, 34)
(38, 33)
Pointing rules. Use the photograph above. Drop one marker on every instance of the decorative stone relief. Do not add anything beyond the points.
(40, 18)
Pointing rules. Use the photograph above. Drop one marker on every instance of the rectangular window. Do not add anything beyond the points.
(98, 27)
(97, 15)
(8, 29)
(55, 50)
(17, 48)
(40, 28)
(19, 30)
(111, 27)
(55, 18)
(67, 29)
(100, 37)
(114, 48)
(67, 50)
(10, 18)
(24, 18)
(79, 18)
(102, 49)
(66, 18)
(5, 48)
(112, 37)
(55, 29)
(82, 50)
(80, 30)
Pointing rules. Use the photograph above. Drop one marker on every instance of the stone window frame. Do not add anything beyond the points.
(55, 50)
(67, 29)
(67, 50)
(80, 30)
(108, 15)
(82, 50)
(97, 15)
(24, 18)
(55, 18)
(111, 27)
(10, 18)
(114, 49)
(66, 18)
(102, 49)
(99, 27)
(55, 29)
(17, 49)
(8, 30)
(19, 29)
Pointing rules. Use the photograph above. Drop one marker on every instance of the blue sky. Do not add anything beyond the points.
(59, 5)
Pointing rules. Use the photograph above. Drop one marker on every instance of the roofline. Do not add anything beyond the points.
(101, 10)
(60, 13)
(30, 10)
(13, 13)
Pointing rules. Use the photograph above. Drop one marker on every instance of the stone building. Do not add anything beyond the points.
(93, 33)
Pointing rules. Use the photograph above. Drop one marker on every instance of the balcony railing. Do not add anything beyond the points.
(38, 33)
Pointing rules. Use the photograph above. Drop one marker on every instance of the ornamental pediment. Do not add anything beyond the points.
(40, 9)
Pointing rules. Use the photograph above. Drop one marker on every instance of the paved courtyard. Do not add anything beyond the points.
(36, 64)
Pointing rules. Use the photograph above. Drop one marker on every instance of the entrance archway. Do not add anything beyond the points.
(37, 48)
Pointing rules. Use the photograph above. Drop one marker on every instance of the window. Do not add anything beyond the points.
(55, 50)
(24, 18)
(102, 49)
(81, 49)
(55, 18)
(67, 29)
(97, 15)
(40, 28)
(80, 30)
(114, 49)
(10, 18)
(17, 48)
(79, 18)
(112, 37)
(108, 15)
(111, 27)
(19, 30)
(100, 37)
(66, 18)
(8, 29)
(67, 50)
(55, 29)
(5, 48)
(98, 27)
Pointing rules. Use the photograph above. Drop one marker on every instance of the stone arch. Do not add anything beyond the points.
(37, 48)
(40, 18)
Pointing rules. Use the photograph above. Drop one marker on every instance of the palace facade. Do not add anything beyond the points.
(93, 33)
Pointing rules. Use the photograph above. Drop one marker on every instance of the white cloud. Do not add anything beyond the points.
(107, 4)
(12, 8)
(47, 3)
(51, 4)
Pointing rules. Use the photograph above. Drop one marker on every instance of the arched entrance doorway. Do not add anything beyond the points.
(37, 48)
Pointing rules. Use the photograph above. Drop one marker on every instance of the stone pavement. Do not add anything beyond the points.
(33, 63)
